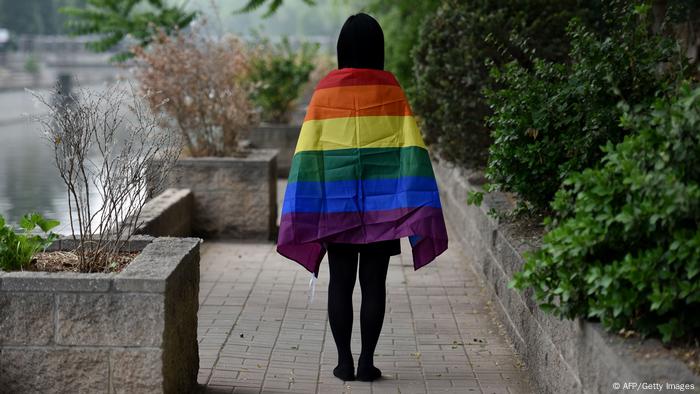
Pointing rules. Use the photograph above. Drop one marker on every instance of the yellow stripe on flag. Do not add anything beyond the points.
(359, 132)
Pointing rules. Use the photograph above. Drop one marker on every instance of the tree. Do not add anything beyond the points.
(115, 20)
(401, 21)
(253, 5)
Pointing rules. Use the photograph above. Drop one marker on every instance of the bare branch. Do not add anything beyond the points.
(106, 144)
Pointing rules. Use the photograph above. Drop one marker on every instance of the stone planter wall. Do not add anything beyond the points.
(282, 137)
(130, 332)
(233, 197)
(563, 356)
(169, 214)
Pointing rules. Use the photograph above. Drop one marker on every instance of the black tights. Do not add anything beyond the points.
(343, 271)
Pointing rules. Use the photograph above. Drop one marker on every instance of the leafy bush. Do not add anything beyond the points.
(279, 74)
(625, 248)
(17, 248)
(451, 59)
(551, 120)
(401, 21)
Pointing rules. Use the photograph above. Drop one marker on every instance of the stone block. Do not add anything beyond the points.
(511, 261)
(282, 137)
(53, 370)
(135, 244)
(150, 271)
(233, 197)
(180, 347)
(169, 214)
(56, 281)
(26, 318)
(136, 371)
(110, 319)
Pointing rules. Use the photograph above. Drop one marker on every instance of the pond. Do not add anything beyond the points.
(29, 179)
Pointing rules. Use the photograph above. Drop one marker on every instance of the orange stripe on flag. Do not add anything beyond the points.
(350, 101)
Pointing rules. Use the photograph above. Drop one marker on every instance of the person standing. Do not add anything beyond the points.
(360, 180)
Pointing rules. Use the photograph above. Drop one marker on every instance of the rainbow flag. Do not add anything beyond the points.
(360, 173)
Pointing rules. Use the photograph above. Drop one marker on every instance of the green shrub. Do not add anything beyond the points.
(31, 65)
(17, 248)
(625, 247)
(551, 120)
(280, 73)
(451, 58)
(401, 21)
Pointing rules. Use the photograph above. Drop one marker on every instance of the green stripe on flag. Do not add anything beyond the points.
(360, 163)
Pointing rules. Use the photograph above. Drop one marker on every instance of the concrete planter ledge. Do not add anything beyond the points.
(233, 197)
(128, 332)
(277, 136)
(168, 214)
(563, 356)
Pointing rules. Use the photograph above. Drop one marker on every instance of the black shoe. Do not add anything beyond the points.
(345, 373)
(368, 374)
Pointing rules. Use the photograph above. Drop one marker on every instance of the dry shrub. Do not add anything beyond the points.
(108, 145)
(203, 84)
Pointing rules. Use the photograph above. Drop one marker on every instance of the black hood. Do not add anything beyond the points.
(361, 43)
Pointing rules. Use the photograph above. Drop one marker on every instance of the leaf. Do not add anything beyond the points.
(475, 198)
(112, 21)
(47, 224)
(27, 222)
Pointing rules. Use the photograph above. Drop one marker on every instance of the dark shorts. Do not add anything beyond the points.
(391, 247)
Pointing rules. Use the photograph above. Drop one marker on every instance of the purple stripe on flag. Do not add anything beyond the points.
(300, 230)
(426, 250)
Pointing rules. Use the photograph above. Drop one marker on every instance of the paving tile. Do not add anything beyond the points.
(259, 333)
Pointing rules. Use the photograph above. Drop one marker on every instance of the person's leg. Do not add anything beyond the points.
(373, 270)
(343, 271)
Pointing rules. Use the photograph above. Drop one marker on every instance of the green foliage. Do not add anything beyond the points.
(475, 198)
(253, 5)
(451, 63)
(551, 120)
(17, 248)
(31, 65)
(115, 20)
(625, 247)
(279, 74)
(401, 21)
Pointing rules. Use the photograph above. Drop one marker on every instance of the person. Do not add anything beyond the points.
(360, 180)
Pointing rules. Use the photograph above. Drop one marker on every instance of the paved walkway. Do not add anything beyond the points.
(258, 332)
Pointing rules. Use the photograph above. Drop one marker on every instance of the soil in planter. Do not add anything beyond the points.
(690, 355)
(243, 151)
(68, 262)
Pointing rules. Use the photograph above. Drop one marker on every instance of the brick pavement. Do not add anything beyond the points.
(259, 333)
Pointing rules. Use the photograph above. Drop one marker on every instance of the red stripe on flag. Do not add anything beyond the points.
(357, 77)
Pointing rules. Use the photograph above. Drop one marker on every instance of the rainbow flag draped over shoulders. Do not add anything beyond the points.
(360, 173)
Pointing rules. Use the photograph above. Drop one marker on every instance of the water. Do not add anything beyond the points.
(29, 180)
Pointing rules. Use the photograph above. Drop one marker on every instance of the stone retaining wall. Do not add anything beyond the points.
(131, 332)
(282, 137)
(563, 356)
(168, 214)
(233, 197)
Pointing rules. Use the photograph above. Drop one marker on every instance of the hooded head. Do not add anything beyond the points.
(361, 43)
